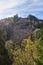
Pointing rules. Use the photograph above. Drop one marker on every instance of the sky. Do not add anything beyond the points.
(23, 8)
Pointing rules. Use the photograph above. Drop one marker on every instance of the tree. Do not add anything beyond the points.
(4, 58)
(9, 47)
(23, 54)
(37, 33)
(38, 51)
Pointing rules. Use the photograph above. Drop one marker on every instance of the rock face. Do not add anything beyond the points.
(18, 28)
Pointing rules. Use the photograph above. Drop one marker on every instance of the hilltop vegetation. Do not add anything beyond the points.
(21, 41)
(18, 28)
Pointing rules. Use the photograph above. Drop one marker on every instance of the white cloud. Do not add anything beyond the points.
(36, 5)
(9, 4)
(35, 0)
(30, 6)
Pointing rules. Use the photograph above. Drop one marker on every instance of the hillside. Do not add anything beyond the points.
(21, 41)
(18, 28)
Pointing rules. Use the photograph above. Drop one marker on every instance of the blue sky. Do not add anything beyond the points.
(23, 8)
